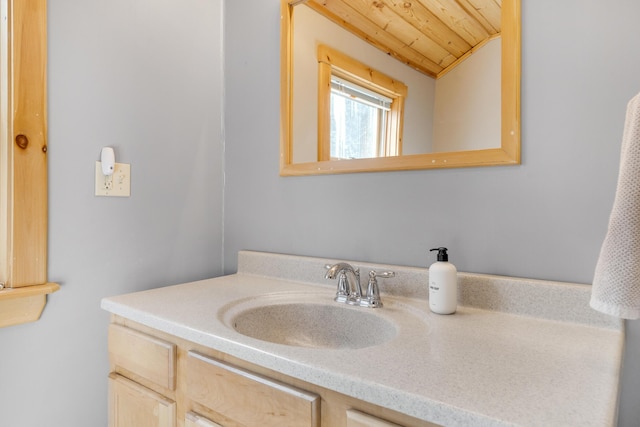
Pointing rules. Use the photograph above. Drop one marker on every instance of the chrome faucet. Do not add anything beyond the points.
(349, 289)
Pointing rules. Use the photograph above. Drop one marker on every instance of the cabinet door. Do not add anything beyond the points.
(191, 419)
(132, 405)
(360, 419)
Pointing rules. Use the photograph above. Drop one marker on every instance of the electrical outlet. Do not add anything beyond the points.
(116, 185)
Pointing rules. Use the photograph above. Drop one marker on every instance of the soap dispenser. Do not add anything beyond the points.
(443, 284)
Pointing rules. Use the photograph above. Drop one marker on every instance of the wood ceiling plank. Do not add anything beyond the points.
(418, 16)
(491, 12)
(428, 35)
(384, 17)
(345, 16)
(458, 19)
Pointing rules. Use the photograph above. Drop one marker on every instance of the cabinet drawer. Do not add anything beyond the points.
(360, 419)
(191, 419)
(248, 398)
(143, 355)
(132, 405)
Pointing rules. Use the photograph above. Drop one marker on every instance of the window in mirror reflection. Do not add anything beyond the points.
(360, 110)
(359, 122)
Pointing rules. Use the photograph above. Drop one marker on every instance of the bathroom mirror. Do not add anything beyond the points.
(453, 115)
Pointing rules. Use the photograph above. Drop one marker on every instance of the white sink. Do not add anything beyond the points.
(309, 320)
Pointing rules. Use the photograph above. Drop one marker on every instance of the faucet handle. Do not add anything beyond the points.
(384, 274)
(342, 294)
(373, 292)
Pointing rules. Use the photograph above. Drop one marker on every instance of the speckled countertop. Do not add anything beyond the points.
(517, 352)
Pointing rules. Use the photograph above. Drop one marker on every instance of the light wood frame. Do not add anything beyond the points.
(23, 196)
(332, 62)
(507, 154)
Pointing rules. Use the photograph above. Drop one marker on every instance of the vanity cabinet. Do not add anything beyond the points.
(159, 380)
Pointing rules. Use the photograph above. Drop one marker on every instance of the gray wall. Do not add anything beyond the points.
(544, 219)
(146, 78)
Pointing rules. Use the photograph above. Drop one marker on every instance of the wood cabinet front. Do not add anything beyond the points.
(133, 405)
(194, 420)
(360, 419)
(143, 355)
(247, 398)
(159, 380)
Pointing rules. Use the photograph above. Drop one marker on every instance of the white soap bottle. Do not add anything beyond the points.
(443, 284)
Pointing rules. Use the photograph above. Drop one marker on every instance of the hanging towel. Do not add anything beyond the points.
(616, 282)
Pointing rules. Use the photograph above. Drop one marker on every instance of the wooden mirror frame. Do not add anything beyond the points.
(507, 154)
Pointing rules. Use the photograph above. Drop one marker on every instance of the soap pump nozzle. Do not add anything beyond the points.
(442, 254)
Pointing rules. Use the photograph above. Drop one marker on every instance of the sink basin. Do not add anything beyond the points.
(308, 321)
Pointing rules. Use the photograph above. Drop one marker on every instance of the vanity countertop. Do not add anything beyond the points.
(479, 367)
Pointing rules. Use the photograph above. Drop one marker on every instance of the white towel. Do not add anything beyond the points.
(616, 282)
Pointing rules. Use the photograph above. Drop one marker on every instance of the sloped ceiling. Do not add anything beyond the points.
(428, 35)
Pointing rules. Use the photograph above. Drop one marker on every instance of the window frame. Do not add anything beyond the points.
(23, 157)
(333, 62)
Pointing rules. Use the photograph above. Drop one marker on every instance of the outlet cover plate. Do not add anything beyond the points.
(117, 185)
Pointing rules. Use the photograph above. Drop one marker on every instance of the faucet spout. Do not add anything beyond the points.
(349, 289)
(333, 270)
